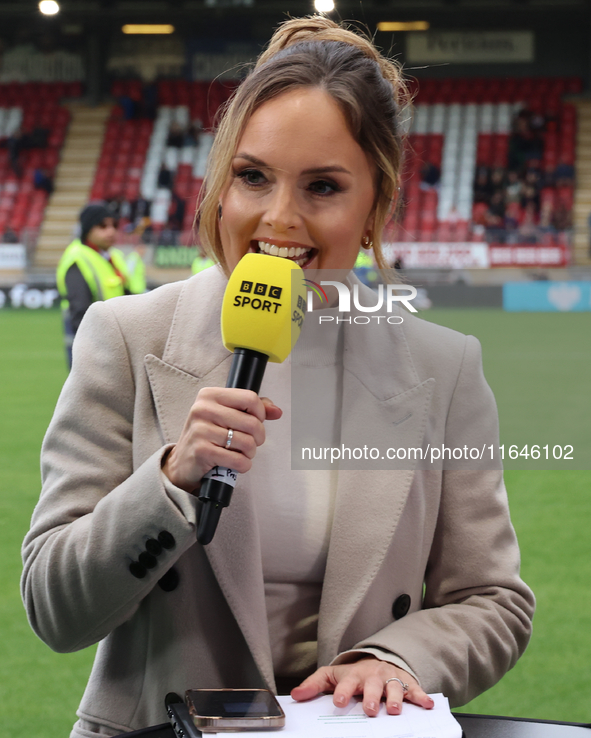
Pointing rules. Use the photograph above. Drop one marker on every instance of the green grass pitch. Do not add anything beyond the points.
(539, 367)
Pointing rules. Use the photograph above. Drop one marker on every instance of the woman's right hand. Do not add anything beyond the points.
(202, 444)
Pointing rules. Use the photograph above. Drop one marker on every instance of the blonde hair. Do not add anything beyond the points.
(316, 52)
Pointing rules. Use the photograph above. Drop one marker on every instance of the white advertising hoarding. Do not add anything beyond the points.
(439, 255)
(13, 256)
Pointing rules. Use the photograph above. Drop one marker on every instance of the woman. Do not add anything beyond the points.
(307, 582)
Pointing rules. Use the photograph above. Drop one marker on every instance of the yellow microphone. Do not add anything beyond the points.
(262, 315)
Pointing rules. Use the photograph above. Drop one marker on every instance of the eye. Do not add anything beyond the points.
(323, 187)
(252, 177)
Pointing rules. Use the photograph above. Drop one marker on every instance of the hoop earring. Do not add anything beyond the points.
(366, 242)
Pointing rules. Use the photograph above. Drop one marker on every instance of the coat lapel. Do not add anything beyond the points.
(385, 405)
(195, 357)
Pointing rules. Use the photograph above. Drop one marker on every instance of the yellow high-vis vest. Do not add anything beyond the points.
(101, 278)
(201, 263)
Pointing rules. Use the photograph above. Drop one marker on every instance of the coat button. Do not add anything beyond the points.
(138, 571)
(169, 581)
(166, 539)
(153, 547)
(401, 606)
(147, 560)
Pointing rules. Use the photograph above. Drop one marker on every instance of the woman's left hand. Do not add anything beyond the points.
(365, 677)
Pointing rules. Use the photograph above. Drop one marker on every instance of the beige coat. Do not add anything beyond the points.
(443, 539)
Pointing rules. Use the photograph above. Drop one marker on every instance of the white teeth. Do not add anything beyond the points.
(297, 253)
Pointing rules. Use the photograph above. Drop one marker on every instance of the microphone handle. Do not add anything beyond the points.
(215, 493)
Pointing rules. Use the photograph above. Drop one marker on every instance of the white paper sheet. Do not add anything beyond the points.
(319, 718)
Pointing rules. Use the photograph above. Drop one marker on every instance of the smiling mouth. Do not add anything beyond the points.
(301, 255)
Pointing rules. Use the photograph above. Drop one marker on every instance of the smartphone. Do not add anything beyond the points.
(219, 710)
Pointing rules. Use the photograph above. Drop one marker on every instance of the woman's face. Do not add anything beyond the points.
(300, 186)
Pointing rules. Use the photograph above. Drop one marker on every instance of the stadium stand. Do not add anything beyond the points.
(33, 127)
(155, 167)
(490, 159)
(73, 181)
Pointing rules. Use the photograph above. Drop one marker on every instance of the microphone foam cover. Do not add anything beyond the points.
(264, 306)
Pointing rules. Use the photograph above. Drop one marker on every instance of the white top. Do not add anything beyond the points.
(295, 507)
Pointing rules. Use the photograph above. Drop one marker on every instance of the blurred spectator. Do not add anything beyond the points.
(548, 177)
(136, 270)
(514, 187)
(482, 185)
(495, 218)
(537, 123)
(528, 228)
(176, 135)
(430, 175)
(42, 181)
(168, 236)
(150, 100)
(146, 229)
(176, 213)
(562, 219)
(10, 236)
(533, 178)
(114, 204)
(526, 141)
(129, 107)
(498, 180)
(14, 144)
(564, 174)
(37, 139)
(546, 216)
(165, 178)
(141, 208)
(193, 133)
(530, 195)
(137, 212)
(513, 215)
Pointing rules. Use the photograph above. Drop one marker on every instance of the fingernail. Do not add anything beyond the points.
(372, 706)
(431, 702)
(341, 700)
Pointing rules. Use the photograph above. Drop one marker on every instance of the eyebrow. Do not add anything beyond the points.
(313, 170)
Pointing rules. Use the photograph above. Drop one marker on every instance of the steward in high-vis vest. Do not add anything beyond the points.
(90, 269)
(136, 272)
(200, 263)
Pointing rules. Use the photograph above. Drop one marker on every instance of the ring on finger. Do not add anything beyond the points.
(402, 684)
(229, 438)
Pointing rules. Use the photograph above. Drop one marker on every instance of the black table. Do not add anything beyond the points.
(492, 726)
